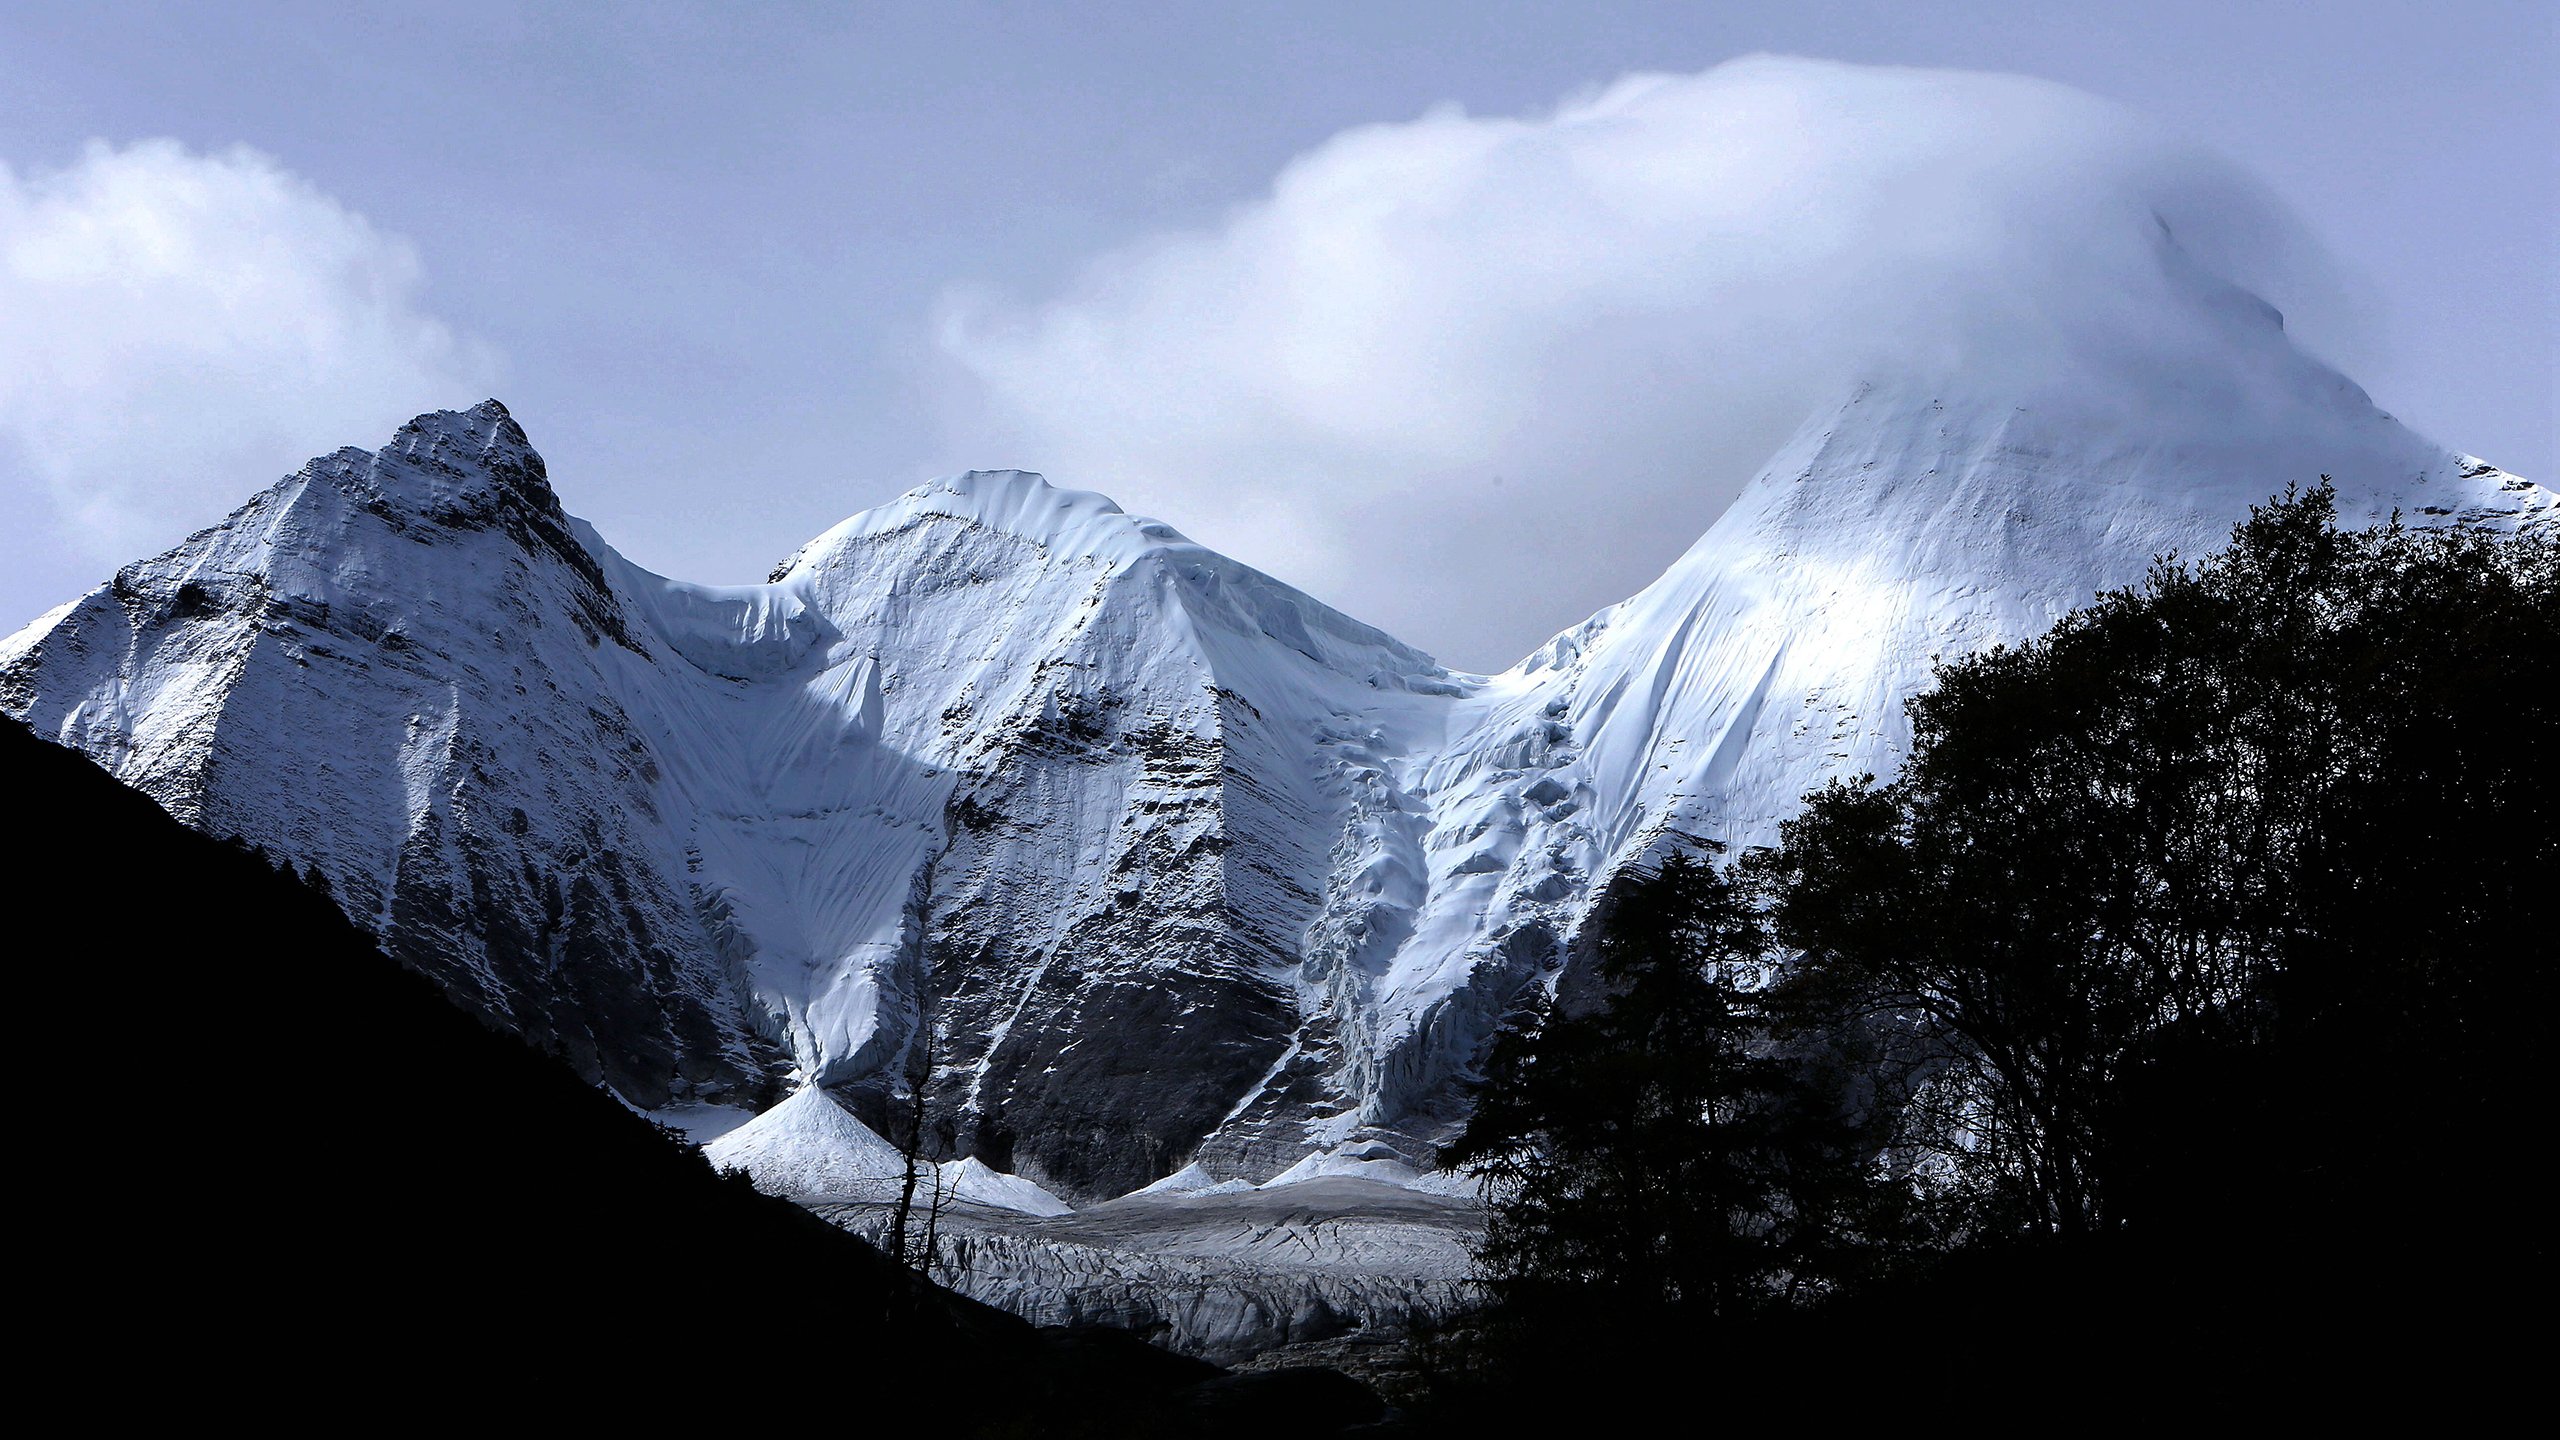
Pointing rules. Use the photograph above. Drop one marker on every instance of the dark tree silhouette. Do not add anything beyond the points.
(2197, 965)
(2230, 877)
(919, 1250)
(1654, 1165)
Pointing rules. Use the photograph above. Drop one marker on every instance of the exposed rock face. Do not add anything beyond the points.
(395, 668)
(992, 752)
(1170, 863)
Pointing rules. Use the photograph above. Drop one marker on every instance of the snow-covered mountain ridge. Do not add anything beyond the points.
(1176, 866)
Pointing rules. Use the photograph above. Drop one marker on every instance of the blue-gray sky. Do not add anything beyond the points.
(716, 257)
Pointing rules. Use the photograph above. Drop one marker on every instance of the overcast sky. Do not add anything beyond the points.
(744, 270)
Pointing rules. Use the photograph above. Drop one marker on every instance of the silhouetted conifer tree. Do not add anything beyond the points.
(1655, 1166)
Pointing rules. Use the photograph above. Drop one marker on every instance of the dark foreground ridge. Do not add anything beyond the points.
(227, 1223)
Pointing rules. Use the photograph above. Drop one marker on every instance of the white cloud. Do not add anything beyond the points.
(177, 330)
(1470, 378)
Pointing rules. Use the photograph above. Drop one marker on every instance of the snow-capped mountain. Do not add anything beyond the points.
(1176, 866)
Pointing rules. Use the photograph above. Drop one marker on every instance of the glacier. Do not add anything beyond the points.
(1168, 877)
(1275, 1272)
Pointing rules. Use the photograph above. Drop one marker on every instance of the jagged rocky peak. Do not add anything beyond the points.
(397, 669)
(470, 446)
(1165, 866)
(457, 468)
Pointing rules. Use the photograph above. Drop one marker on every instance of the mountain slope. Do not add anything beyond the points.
(1149, 860)
(1777, 654)
(398, 669)
(264, 1228)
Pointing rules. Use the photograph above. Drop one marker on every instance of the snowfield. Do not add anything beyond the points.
(809, 1149)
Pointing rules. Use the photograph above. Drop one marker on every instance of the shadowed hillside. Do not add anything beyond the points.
(453, 1219)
